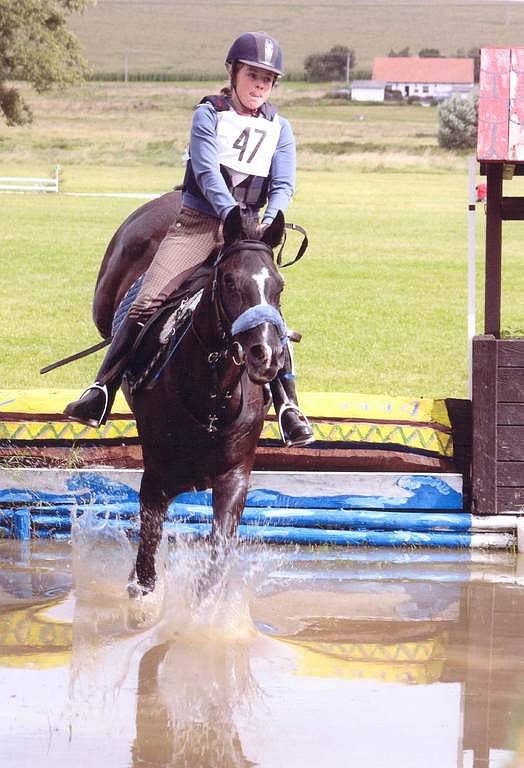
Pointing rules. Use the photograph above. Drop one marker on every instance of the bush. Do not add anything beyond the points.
(320, 67)
(458, 120)
(361, 74)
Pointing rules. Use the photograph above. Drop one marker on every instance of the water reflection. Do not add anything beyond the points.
(365, 658)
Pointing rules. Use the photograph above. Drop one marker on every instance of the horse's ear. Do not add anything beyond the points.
(274, 233)
(232, 229)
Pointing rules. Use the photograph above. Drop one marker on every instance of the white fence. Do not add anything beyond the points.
(30, 184)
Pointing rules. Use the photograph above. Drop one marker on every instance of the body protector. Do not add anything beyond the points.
(245, 147)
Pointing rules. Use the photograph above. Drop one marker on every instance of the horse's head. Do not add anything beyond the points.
(248, 288)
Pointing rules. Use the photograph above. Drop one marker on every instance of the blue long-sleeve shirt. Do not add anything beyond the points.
(204, 160)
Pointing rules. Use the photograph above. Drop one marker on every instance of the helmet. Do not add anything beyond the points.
(259, 50)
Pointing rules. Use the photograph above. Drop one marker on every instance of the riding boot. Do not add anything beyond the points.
(294, 426)
(94, 405)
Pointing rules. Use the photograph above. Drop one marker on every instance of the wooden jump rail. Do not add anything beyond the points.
(498, 364)
(30, 183)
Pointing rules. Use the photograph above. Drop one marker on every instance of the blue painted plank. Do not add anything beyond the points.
(41, 522)
(21, 524)
(333, 518)
(316, 536)
(302, 518)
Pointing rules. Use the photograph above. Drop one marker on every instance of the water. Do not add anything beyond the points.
(362, 657)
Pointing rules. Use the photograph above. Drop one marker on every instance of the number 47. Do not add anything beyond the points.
(243, 140)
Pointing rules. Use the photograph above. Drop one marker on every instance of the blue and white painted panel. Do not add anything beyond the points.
(322, 490)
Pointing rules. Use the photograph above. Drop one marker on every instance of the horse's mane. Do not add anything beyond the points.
(250, 227)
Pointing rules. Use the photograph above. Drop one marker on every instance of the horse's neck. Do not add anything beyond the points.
(222, 373)
(207, 325)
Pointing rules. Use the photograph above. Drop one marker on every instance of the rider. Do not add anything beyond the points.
(242, 154)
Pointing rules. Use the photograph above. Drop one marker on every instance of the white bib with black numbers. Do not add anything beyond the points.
(246, 144)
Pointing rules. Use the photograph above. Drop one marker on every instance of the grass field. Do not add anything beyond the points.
(380, 296)
(163, 35)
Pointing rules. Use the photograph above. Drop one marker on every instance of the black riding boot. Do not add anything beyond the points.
(294, 426)
(94, 405)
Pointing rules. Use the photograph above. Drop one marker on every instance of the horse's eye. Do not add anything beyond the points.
(229, 282)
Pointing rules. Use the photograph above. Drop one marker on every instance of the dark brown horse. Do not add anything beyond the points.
(199, 424)
(129, 254)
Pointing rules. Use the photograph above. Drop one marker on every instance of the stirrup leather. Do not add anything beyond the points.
(289, 406)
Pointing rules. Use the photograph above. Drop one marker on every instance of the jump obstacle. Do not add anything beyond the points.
(446, 473)
(498, 364)
(327, 508)
(31, 184)
(415, 441)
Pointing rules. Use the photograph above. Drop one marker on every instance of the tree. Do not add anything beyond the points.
(429, 53)
(403, 52)
(458, 120)
(332, 65)
(36, 46)
(471, 53)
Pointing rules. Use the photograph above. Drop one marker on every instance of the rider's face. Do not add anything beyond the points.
(253, 86)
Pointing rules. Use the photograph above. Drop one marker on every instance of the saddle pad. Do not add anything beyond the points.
(127, 300)
(160, 337)
(189, 288)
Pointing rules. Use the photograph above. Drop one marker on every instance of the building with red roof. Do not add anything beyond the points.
(425, 78)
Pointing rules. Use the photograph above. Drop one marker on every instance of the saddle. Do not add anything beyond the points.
(161, 335)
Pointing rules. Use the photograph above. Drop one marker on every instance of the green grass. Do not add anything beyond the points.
(380, 296)
(147, 124)
(160, 36)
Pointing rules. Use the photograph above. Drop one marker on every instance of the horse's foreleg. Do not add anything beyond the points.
(153, 506)
(229, 498)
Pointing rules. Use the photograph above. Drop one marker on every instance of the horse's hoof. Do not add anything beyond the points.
(145, 605)
(135, 590)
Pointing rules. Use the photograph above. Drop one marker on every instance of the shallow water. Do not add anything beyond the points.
(300, 658)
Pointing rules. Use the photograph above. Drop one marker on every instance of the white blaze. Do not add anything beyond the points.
(260, 279)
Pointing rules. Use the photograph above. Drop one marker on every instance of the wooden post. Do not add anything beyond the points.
(484, 449)
(492, 296)
(498, 365)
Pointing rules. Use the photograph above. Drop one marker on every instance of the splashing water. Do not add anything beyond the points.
(103, 568)
(193, 650)
(222, 608)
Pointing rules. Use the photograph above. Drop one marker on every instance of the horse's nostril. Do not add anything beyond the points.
(260, 352)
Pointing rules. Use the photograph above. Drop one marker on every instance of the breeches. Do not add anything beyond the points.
(189, 240)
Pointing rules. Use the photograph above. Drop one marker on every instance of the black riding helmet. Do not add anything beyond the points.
(258, 49)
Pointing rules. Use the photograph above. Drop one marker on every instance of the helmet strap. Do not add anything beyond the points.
(252, 112)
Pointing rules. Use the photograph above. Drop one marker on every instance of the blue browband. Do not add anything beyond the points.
(260, 313)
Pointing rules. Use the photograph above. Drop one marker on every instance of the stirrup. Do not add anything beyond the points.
(285, 438)
(98, 422)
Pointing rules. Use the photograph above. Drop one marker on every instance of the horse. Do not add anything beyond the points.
(200, 423)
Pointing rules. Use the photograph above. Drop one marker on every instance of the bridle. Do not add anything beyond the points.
(249, 318)
(228, 328)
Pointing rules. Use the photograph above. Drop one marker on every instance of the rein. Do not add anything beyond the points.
(301, 251)
(253, 243)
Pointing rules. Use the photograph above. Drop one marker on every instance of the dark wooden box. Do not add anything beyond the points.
(498, 425)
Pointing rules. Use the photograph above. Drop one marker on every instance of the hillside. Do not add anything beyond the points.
(192, 37)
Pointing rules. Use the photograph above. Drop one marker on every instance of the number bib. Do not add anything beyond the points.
(246, 144)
